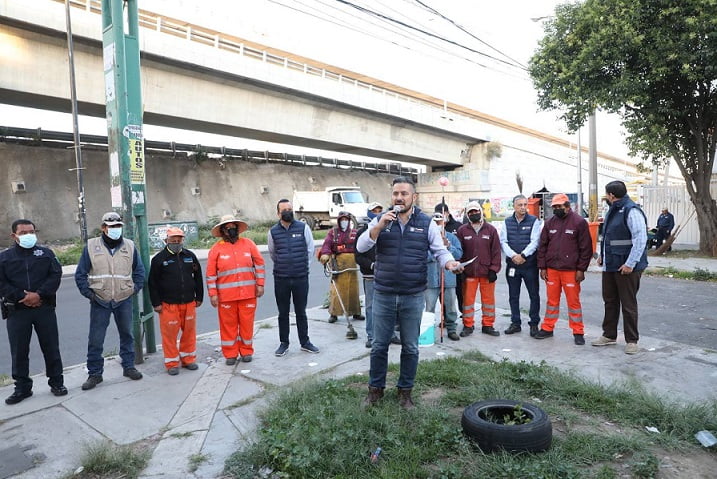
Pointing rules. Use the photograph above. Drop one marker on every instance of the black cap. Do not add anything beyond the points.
(440, 208)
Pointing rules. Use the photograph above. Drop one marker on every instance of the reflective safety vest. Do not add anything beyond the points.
(111, 274)
(234, 270)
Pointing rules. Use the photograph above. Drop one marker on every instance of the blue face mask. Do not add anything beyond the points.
(27, 240)
(114, 233)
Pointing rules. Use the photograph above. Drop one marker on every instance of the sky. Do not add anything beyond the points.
(468, 52)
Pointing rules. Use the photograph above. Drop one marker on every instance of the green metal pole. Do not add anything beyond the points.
(125, 143)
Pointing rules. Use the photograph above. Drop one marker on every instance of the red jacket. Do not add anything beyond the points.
(485, 244)
(234, 270)
(565, 244)
(338, 242)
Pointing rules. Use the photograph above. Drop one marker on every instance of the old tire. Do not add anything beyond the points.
(309, 220)
(534, 436)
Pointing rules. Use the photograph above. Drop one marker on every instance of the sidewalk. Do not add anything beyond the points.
(213, 411)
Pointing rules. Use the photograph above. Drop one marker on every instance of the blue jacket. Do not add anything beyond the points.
(518, 235)
(617, 237)
(434, 275)
(290, 254)
(33, 269)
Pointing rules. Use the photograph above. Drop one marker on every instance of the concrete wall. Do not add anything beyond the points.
(248, 189)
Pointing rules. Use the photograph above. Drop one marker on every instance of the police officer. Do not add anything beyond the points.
(29, 279)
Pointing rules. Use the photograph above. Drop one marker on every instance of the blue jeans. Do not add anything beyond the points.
(368, 291)
(99, 320)
(532, 283)
(387, 309)
(450, 307)
(284, 290)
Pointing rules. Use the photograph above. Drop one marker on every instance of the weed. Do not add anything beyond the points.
(104, 459)
(181, 435)
(195, 460)
(5, 380)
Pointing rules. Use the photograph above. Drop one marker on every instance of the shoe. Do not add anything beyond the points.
(603, 341)
(467, 331)
(404, 399)
(374, 395)
(395, 339)
(17, 396)
(579, 339)
(489, 330)
(359, 317)
(369, 343)
(59, 391)
(132, 373)
(173, 371)
(333, 319)
(92, 381)
(631, 348)
(513, 328)
(309, 348)
(453, 336)
(191, 366)
(533, 330)
(246, 359)
(281, 350)
(542, 334)
(230, 361)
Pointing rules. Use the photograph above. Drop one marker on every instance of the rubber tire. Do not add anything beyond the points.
(535, 436)
(309, 220)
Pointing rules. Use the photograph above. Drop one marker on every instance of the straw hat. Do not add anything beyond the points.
(228, 219)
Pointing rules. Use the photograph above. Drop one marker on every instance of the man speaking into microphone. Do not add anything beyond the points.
(402, 236)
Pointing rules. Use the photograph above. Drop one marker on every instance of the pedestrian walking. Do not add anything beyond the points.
(402, 240)
(176, 289)
(29, 279)
(109, 273)
(519, 240)
(291, 247)
(623, 257)
(235, 280)
(564, 255)
(480, 244)
(442, 284)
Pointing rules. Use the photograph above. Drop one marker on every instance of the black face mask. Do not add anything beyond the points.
(287, 216)
(232, 233)
(560, 213)
(474, 218)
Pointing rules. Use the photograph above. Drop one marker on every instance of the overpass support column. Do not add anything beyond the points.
(123, 98)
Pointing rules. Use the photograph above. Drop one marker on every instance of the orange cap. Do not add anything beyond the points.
(560, 199)
(174, 231)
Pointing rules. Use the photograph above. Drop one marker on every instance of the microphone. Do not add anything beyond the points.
(396, 210)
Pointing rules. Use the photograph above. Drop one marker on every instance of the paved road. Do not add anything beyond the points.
(674, 309)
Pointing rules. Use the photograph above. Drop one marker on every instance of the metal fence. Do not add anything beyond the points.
(678, 202)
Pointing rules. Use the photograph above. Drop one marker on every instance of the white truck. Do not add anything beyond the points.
(321, 208)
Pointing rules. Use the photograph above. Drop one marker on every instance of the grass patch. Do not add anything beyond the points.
(698, 274)
(195, 460)
(103, 459)
(318, 430)
(5, 380)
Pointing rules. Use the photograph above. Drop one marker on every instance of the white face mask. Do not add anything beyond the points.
(114, 233)
(344, 224)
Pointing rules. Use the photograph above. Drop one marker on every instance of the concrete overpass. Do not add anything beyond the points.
(197, 79)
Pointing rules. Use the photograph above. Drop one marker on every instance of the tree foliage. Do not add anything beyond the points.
(654, 62)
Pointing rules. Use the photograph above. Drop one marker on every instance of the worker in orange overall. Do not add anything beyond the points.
(480, 243)
(176, 290)
(235, 279)
(564, 255)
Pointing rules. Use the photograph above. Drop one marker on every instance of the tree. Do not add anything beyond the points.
(653, 62)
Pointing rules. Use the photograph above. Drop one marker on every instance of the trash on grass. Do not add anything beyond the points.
(652, 429)
(706, 438)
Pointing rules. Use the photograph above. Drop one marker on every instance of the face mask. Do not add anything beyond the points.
(174, 247)
(344, 224)
(474, 218)
(287, 216)
(28, 240)
(371, 215)
(559, 213)
(232, 233)
(114, 233)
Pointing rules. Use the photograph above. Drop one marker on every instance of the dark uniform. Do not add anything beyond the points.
(37, 270)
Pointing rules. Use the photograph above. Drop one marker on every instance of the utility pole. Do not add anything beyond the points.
(580, 176)
(592, 172)
(82, 215)
(125, 143)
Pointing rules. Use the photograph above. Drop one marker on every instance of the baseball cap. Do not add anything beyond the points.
(111, 219)
(473, 205)
(174, 231)
(559, 199)
(375, 205)
(438, 217)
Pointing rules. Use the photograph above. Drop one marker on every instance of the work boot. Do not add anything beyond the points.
(453, 336)
(359, 317)
(191, 366)
(404, 399)
(513, 328)
(374, 395)
(489, 330)
(369, 343)
(467, 331)
(58, 390)
(333, 318)
(132, 373)
(173, 371)
(533, 330)
(579, 339)
(17, 396)
(395, 339)
(230, 361)
(542, 334)
(92, 381)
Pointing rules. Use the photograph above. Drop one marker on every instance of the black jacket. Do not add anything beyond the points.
(175, 278)
(35, 269)
(367, 259)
